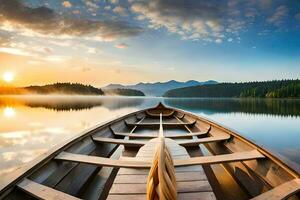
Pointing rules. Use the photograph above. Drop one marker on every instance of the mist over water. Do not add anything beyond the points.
(30, 125)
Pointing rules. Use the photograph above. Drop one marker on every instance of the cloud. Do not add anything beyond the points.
(91, 50)
(17, 17)
(279, 15)
(120, 10)
(211, 20)
(114, 1)
(5, 39)
(190, 19)
(67, 4)
(14, 51)
(219, 41)
(92, 7)
(121, 46)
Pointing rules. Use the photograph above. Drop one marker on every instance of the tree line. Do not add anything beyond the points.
(264, 89)
(57, 88)
(123, 92)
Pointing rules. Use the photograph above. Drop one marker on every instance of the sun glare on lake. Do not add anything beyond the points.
(8, 76)
(9, 112)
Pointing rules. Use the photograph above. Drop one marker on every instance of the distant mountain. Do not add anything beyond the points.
(114, 86)
(123, 92)
(268, 89)
(159, 88)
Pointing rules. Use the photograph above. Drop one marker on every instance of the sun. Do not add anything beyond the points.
(9, 112)
(8, 76)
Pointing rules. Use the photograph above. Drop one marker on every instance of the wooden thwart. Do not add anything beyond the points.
(139, 143)
(129, 143)
(281, 192)
(146, 163)
(233, 157)
(100, 161)
(158, 124)
(43, 192)
(136, 135)
(196, 142)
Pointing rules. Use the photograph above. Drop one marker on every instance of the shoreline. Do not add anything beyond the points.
(84, 95)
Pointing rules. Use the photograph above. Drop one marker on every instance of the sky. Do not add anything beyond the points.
(129, 41)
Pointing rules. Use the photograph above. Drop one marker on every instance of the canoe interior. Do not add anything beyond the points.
(233, 180)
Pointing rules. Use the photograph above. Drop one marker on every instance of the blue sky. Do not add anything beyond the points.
(129, 41)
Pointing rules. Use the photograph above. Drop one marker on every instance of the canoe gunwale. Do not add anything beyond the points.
(286, 164)
(27, 169)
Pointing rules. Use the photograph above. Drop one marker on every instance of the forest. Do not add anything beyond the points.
(57, 88)
(264, 89)
(123, 92)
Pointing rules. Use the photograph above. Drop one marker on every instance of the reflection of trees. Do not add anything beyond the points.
(68, 103)
(284, 107)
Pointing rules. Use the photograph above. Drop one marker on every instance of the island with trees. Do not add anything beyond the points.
(123, 92)
(57, 88)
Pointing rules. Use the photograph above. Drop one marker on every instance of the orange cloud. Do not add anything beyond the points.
(67, 4)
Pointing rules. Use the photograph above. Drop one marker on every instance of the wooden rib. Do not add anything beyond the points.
(136, 135)
(157, 124)
(234, 157)
(196, 142)
(281, 192)
(158, 115)
(132, 162)
(100, 161)
(43, 192)
(127, 143)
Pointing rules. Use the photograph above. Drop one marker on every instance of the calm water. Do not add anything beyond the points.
(30, 125)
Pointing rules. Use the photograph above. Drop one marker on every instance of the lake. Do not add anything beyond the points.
(30, 125)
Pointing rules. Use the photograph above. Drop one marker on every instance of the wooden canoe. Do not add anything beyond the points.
(112, 161)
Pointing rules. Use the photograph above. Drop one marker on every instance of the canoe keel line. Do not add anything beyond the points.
(152, 154)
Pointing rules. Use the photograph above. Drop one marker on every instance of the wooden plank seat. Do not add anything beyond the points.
(40, 191)
(166, 124)
(139, 143)
(129, 143)
(196, 142)
(173, 136)
(136, 162)
(282, 191)
(100, 161)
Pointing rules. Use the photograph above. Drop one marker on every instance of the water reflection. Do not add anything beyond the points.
(282, 107)
(67, 103)
(30, 125)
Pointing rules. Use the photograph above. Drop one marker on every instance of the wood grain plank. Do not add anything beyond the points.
(158, 124)
(173, 136)
(142, 178)
(234, 157)
(282, 191)
(43, 192)
(188, 186)
(100, 161)
(181, 196)
(196, 142)
(128, 143)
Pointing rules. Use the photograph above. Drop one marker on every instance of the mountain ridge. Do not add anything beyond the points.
(159, 88)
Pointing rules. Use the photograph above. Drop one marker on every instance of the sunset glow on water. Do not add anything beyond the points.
(31, 125)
